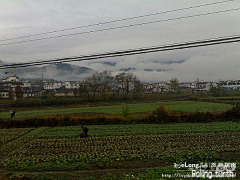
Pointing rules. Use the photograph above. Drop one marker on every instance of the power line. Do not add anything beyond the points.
(131, 50)
(106, 53)
(118, 20)
(134, 53)
(186, 45)
(120, 27)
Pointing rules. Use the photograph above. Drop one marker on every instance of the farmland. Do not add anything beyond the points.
(183, 106)
(138, 150)
(118, 151)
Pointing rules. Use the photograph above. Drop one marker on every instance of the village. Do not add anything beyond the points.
(13, 87)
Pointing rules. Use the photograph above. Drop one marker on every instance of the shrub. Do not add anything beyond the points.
(233, 113)
(125, 110)
(161, 115)
(197, 117)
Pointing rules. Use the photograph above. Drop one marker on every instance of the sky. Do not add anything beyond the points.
(27, 17)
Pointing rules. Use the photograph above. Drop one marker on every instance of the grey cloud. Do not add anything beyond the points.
(18, 18)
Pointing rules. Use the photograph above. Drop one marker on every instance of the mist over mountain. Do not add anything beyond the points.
(60, 72)
(127, 69)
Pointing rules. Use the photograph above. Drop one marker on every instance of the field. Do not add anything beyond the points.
(111, 152)
(184, 106)
(136, 151)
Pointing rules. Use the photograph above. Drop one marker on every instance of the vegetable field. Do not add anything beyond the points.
(115, 149)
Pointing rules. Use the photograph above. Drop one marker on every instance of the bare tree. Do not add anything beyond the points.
(11, 93)
(174, 84)
(127, 82)
(92, 83)
(99, 84)
(138, 89)
(19, 92)
(83, 91)
(75, 92)
(121, 82)
(106, 79)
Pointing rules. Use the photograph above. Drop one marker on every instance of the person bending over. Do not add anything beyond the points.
(85, 132)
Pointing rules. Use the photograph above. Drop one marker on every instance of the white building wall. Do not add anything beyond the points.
(52, 86)
(11, 79)
(71, 85)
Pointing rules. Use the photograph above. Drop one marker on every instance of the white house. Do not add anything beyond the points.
(231, 85)
(11, 79)
(71, 85)
(160, 87)
(52, 85)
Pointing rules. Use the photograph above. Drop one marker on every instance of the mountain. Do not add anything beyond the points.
(105, 63)
(127, 69)
(60, 72)
(134, 69)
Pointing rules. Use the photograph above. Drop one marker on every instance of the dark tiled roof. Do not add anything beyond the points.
(26, 88)
(36, 89)
(64, 90)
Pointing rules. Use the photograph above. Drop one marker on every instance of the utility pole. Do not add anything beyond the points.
(15, 72)
(42, 75)
(29, 72)
(42, 80)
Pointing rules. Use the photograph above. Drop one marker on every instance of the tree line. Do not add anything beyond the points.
(103, 85)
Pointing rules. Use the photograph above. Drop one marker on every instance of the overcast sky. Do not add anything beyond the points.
(26, 17)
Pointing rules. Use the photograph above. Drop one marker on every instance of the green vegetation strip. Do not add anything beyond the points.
(71, 133)
(119, 130)
(107, 152)
(140, 129)
(184, 106)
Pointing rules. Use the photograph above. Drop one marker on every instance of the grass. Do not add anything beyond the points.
(226, 97)
(184, 106)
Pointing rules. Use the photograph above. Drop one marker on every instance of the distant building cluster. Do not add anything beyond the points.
(191, 87)
(231, 85)
(61, 89)
(12, 87)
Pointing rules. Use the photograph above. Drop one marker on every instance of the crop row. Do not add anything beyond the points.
(118, 130)
(11, 134)
(139, 129)
(128, 146)
(24, 136)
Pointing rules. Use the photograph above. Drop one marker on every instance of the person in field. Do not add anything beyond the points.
(85, 132)
(13, 113)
